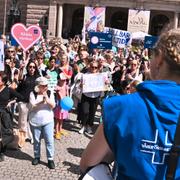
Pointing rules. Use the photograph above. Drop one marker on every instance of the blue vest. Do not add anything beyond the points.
(140, 129)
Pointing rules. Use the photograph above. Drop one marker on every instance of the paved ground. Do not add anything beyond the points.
(17, 164)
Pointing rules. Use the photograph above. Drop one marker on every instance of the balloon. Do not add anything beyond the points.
(66, 103)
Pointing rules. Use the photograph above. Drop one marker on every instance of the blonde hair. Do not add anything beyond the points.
(169, 45)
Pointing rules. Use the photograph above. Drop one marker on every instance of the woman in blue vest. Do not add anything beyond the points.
(138, 129)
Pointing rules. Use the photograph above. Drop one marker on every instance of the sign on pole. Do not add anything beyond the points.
(26, 37)
(138, 20)
(150, 41)
(120, 38)
(94, 18)
(1, 55)
(95, 82)
(100, 40)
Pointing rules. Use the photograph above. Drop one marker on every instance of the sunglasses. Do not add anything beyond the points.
(32, 67)
(94, 67)
(11, 51)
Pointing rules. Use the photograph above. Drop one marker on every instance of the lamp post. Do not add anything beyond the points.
(4, 22)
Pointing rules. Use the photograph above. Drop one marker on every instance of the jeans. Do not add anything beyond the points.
(47, 131)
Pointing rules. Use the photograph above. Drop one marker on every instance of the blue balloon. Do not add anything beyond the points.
(66, 103)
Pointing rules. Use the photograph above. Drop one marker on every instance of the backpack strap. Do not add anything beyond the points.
(174, 155)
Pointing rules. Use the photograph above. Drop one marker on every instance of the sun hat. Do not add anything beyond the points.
(40, 81)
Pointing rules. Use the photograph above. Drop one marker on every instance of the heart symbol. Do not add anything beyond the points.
(26, 37)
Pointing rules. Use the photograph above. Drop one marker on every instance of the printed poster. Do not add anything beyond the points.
(94, 18)
(138, 20)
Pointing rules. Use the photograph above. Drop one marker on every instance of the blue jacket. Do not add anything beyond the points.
(140, 129)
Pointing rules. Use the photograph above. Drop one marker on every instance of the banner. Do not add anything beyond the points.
(99, 40)
(94, 82)
(1, 55)
(94, 18)
(138, 20)
(150, 41)
(26, 37)
(120, 38)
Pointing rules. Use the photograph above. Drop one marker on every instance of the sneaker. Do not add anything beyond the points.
(51, 164)
(35, 161)
(64, 132)
(81, 131)
(2, 157)
(89, 130)
(58, 135)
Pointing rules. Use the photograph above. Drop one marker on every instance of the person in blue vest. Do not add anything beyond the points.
(138, 129)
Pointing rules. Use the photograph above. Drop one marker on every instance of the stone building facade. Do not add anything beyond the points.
(65, 17)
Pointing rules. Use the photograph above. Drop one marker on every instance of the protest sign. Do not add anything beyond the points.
(1, 55)
(94, 82)
(100, 40)
(138, 20)
(120, 38)
(94, 18)
(26, 37)
(150, 41)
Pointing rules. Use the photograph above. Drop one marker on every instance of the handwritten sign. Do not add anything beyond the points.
(120, 38)
(1, 55)
(100, 40)
(94, 82)
(138, 20)
(26, 37)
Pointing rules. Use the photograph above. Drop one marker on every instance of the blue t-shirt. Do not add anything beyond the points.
(140, 129)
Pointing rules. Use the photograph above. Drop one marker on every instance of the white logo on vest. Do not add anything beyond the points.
(158, 152)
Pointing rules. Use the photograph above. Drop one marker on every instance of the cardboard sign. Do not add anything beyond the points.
(94, 82)
(150, 41)
(120, 38)
(100, 40)
(138, 20)
(26, 37)
(1, 55)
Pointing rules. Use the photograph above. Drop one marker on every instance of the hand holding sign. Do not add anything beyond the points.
(26, 37)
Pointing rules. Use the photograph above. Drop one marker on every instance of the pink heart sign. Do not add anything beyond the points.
(26, 37)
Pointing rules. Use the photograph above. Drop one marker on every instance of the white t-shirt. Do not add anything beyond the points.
(41, 114)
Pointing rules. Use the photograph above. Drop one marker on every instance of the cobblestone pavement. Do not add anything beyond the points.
(68, 149)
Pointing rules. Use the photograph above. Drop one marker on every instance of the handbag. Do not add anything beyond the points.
(101, 171)
(174, 155)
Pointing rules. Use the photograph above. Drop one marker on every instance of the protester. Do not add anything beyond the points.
(42, 120)
(137, 123)
(6, 127)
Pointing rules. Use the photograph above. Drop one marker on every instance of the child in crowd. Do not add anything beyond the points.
(60, 115)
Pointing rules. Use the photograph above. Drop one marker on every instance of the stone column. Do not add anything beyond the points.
(176, 16)
(60, 20)
(51, 32)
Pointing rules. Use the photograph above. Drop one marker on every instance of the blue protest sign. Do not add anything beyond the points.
(14, 42)
(120, 38)
(99, 40)
(150, 41)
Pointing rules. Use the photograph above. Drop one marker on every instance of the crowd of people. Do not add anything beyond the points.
(51, 70)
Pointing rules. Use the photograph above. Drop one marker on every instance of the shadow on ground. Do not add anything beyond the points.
(18, 154)
(75, 151)
(73, 168)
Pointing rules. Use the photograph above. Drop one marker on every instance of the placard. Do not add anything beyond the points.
(94, 18)
(150, 41)
(100, 40)
(1, 55)
(26, 37)
(120, 38)
(138, 20)
(95, 82)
